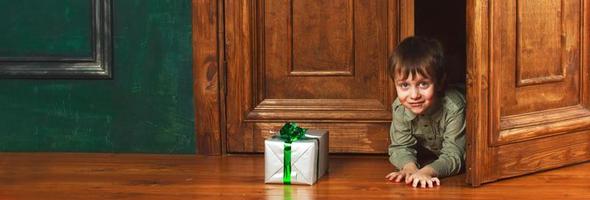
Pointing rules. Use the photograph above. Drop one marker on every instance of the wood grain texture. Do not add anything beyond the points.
(543, 117)
(206, 74)
(167, 177)
(394, 33)
(539, 42)
(479, 155)
(239, 53)
(344, 137)
(519, 129)
(406, 19)
(526, 54)
(282, 53)
(320, 109)
(323, 38)
(275, 73)
(535, 58)
(585, 58)
(545, 123)
(542, 154)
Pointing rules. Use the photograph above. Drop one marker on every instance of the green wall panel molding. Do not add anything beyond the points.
(147, 106)
(56, 39)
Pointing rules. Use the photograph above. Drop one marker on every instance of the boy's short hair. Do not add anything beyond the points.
(421, 55)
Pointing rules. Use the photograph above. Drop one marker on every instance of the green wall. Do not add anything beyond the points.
(146, 107)
(45, 28)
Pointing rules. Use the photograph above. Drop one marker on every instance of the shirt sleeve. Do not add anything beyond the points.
(402, 148)
(452, 156)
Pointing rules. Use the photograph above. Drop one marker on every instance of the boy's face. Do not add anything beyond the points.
(415, 93)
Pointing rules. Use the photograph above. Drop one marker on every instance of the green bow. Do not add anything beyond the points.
(289, 133)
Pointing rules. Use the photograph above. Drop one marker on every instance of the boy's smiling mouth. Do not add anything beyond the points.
(415, 104)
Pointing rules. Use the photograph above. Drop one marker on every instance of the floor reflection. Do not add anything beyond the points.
(287, 192)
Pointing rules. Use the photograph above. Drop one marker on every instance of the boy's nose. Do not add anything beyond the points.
(414, 94)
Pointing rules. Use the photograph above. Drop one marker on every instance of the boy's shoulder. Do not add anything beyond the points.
(454, 99)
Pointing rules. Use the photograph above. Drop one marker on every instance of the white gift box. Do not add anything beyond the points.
(309, 158)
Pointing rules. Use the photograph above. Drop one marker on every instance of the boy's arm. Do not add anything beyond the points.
(452, 154)
(402, 148)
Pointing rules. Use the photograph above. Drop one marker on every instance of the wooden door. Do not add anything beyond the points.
(528, 86)
(322, 64)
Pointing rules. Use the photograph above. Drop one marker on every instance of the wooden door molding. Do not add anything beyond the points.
(325, 110)
(210, 44)
(207, 75)
(528, 87)
(262, 56)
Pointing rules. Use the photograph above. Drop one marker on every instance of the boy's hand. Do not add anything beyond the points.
(423, 178)
(406, 172)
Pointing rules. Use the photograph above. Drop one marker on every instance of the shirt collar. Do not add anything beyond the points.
(409, 114)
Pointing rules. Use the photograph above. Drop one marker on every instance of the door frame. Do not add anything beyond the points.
(208, 76)
(477, 84)
(209, 67)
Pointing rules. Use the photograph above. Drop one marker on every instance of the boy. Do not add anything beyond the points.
(427, 130)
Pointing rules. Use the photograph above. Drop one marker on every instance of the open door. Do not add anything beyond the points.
(322, 64)
(528, 79)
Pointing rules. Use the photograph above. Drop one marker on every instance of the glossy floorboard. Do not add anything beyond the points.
(137, 176)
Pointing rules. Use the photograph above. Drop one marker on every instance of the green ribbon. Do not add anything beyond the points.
(289, 133)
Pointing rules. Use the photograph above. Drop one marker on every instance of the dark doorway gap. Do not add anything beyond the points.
(445, 21)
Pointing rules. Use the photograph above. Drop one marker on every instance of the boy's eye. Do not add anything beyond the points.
(404, 85)
(424, 84)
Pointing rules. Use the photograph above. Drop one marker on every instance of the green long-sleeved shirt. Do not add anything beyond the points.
(440, 132)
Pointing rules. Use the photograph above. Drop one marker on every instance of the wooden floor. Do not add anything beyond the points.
(125, 176)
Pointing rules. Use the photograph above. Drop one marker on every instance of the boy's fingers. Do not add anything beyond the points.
(390, 175)
(415, 182)
(436, 180)
(409, 178)
(392, 178)
(399, 177)
(423, 183)
(429, 183)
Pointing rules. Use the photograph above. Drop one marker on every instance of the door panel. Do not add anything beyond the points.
(539, 57)
(320, 63)
(322, 36)
(305, 59)
(544, 153)
(536, 61)
(536, 54)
